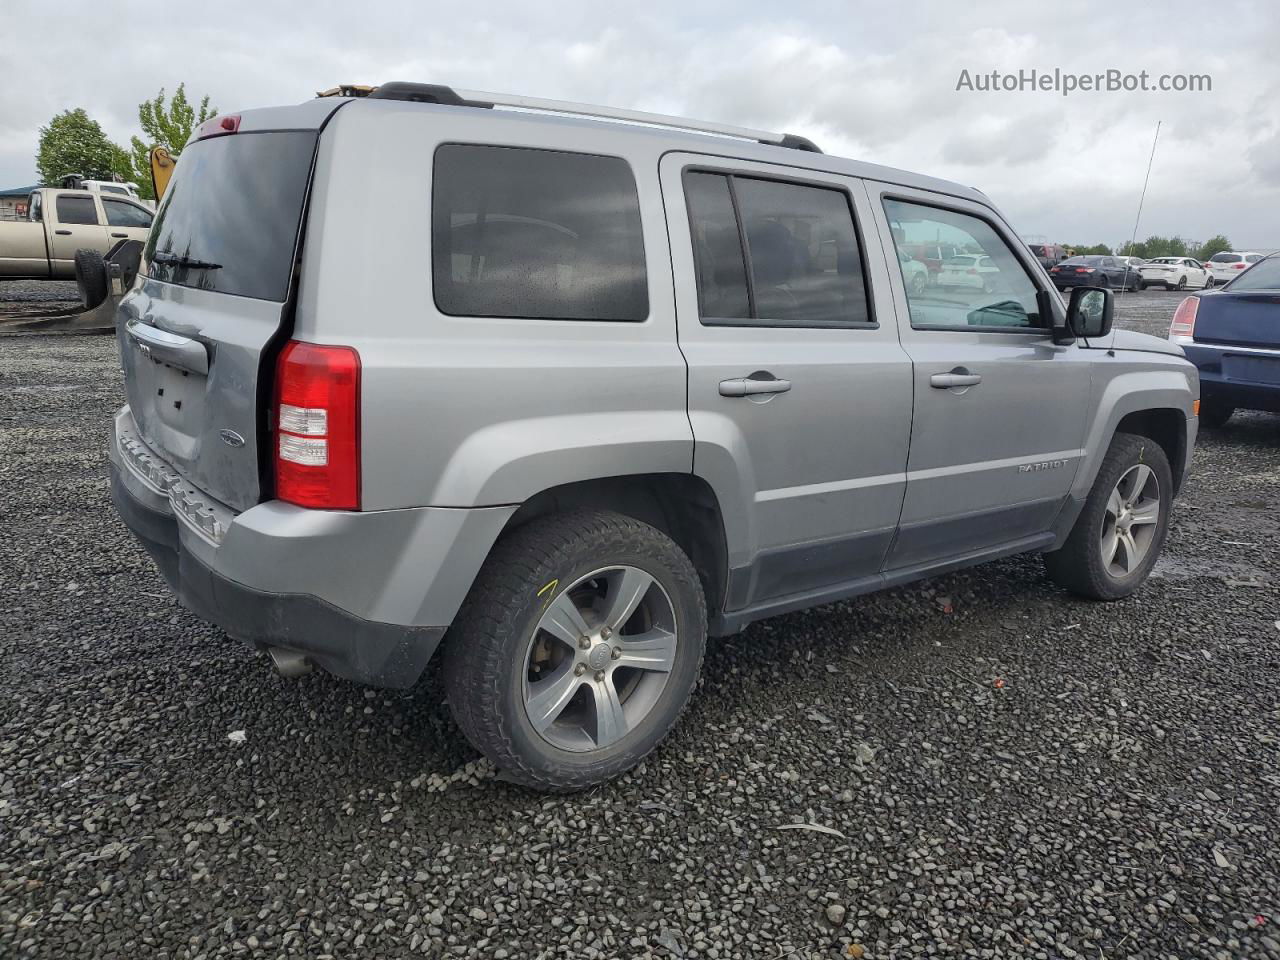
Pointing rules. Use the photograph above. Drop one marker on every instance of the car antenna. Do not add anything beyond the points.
(1133, 241)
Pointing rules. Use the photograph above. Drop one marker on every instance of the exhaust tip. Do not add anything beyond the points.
(289, 663)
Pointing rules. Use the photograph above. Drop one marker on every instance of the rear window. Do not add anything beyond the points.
(229, 220)
(536, 234)
(1226, 258)
(1263, 275)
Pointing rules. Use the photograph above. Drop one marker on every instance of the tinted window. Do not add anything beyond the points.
(234, 201)
(1225, 258)
(988, 289)
(1264, 275)
(76, 209)
(805, 266)
(717, 247)
(537, 234)
(121, 214)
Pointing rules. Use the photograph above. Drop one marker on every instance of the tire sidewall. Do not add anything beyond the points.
(679, 581)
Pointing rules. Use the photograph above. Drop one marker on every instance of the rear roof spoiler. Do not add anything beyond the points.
(448, 96)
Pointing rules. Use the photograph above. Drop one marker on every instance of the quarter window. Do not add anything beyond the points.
(536, 234)
(76, 210)
(122, 214)
(775, 254)
(983, 285)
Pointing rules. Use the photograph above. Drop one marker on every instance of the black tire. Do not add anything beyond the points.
(1142, 284)
(1215, 413)
(486, 648)
(1078, 564)
(91, 277)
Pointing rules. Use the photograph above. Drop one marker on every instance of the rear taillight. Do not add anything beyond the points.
(1184, 318)
(1238, 266)
(1084, 269)
(972, 272)
(317, 423)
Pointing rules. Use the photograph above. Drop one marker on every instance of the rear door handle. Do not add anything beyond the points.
(945, 381)
(177, 350)
(63, 233)
(121, 236)
(748, 387)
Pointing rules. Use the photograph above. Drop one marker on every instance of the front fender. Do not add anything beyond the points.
(1133, 384)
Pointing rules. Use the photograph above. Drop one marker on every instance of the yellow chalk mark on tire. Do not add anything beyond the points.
(550, 590)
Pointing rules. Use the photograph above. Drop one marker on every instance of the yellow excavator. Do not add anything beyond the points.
(161, 170)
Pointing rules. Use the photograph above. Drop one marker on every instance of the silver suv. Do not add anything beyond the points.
(589, 386)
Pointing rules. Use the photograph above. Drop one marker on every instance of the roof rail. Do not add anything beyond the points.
(437, 93)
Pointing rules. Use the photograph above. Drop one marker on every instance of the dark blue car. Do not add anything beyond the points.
(1095, 271)
(1232, 335)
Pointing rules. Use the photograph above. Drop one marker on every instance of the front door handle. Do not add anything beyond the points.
(750, 387)
(956, 378)
(63, 233)
(121, 236)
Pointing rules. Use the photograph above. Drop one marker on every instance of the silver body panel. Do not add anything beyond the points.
(859, 476)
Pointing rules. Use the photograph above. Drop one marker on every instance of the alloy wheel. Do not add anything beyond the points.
(1130, 521)
(599, 659)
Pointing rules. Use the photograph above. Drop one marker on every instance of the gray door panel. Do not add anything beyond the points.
(811, 479)
(999, 413)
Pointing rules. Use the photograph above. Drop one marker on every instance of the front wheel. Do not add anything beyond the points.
(1118, 536)
(576, 649)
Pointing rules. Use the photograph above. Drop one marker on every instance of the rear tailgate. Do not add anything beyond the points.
(197, 332)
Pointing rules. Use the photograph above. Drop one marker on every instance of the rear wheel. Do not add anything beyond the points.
(577, 648)
(1182, 282)
(91, 277)
(1215, 413)
(1118, 536)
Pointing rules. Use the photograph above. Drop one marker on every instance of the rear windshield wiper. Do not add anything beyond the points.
(174, 259)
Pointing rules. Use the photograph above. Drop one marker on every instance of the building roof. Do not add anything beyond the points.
(17, 191)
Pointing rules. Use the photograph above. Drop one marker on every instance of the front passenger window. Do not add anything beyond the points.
(981, 285)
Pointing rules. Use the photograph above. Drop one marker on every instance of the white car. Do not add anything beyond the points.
(972, 270)
(1225, 266)
(1175, 273)
(914, 273)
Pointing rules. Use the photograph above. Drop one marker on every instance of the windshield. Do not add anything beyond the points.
(1263, 275)
(229, 220)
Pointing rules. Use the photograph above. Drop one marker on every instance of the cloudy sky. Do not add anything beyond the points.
(875, 81)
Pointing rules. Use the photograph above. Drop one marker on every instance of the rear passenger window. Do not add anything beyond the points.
(775, 254)
(76, 210)
(536, 234)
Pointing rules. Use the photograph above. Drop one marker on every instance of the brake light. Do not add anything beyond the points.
(218, 126)
(1084, 269)
(1053, 269)
(1184, 318)
(972, 272)
(1238, 266)
(317, 420)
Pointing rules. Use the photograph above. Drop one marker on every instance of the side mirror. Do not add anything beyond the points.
(1090, 311)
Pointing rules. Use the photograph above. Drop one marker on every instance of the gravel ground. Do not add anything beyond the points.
(997, 769)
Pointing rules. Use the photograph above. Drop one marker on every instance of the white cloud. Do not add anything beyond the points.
(867, 80)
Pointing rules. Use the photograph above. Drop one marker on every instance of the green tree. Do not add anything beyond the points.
(165, 125)
(1215, 244)
(74, 143)
(1097, 250)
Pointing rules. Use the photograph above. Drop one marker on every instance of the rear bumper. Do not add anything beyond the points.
(366, 596)
(1216, 386)
(381, 654)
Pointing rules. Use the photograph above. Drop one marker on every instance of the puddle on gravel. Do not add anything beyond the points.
(1171, 568)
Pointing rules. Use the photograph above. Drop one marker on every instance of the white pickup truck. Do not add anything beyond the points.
(60, 222)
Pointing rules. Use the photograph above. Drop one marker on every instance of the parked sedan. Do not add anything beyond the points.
(1175, 273)
(914, 273)
(1233, 336)
(1228, 265)
(1094, 271)
(972, 270)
